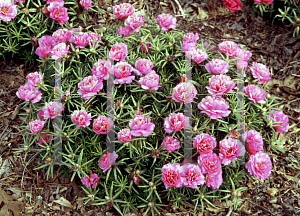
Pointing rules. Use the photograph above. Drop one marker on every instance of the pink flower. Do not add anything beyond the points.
(8, 10)
(255, 94)
(17, 1)
(280, 119)
(102, 125)
(141, 126)
(47, 41)
(36, 125)
(240, 63)
(264, 1)
(43, 52)
(233, 5)
(124, 31)
(93, 38)
(214, 107)
(41, 114)
(80, 39)
(44, 137)
(194, 176)
(143, 47)
(259, 165)
(59, 51)
(122, 11)
(220, 85)
(86, 4)
(228, 47)
(197, 56)
(85, 181)
(261, 72)
(210, 163)
(81, 118)
(254, 141)
(166, 21)
(143, 66)
(190, 38)
(204, 143)
(188, 46)
(185, 92)
(134, 21)
(171, 175)
(217, 66)
(175, 122)
(214, 181)
(94, 179)
(62, 35)
(118, 52)
(58, 12)
(124, 135)
(89, 87)
(26, 92)
(170, 144)
(34, 78)
(101, 68)
(50, 1)
(52, 109)
(230, 149)
(122, 71)
(150, 81)
(107, 160)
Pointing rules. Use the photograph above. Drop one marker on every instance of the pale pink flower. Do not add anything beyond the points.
(52, 109)
(188, 46)
(184, 92)
(259, 165)
(36, 125)
(81, 118)
(118, 52)
(144, 45)
(86, 4)
(134, 21)
(254, 142)
(47, 41)
(34, 78)
(150, 81)
(124, 135)
(85, 181)
(58, 12)
(190, 38)
(94, 179)
(240, 63)
(93, 38)
(101, 68)
(89, 87)
(17, 1)
(122, 71)
(59, 51)
(175, 122)
(124, 31)
(102, 125)
(8, 10)
(261, 72)
(210, 163)
(196, 55)
(255, 94)
(230, 149)
(217, 66)
(122, 11)
(141, 126)
(170, 144)
(171, 175)
(204, 143)
(228, 47)
(62, 35)
(50, 1)
(107, 160)
(80, 39)
(45, 137)
(280, 119)
(166, 21)
(220, 85)
(27, 92)
(214, 107)
(214, 181)
(143, 66)
(194, 176)
(43, 52)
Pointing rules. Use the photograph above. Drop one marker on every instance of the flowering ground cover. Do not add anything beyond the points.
(150, 123)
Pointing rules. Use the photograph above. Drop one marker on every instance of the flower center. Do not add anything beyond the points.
(4, 10)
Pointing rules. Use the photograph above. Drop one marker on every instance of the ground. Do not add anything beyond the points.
(25, 189)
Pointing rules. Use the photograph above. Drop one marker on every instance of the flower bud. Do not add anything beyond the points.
(126, 144)
(195, 129)
(70, 156)
(27, 110)
(268, 96)
(295, 24)
(122, 105)
(118, 116)
(264, 110)
(48, 149)
(25, 149)
(165, 80)
(90, 196)
(150, 204)
(46, 12)
(77, 50)
(170, 58)
(158, 114)
(107, 198)
(65, 134)
(151, 184)
(298, 20)
(181, 140)
(137, 172)
(26, 11)
(155, 153)
(33, 41)
(47, 159)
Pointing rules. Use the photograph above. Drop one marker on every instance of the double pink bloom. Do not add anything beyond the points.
(134, 21)
(150, 81)
(175, 122)
(122, 72)
(166, 21)
(86, 4)
(255, 94)
(122, 11)
(118, 52)
(230, 149)
(107, 160)
(8, 10)
(260, 165)
(170, 144)
(27, 92)
(196, 55)
(58, 12)
(102, 125)
(204, 143)
(141, 126)
(92, 180)
(261, 72)
(51, 110)
(217, 66)
(184, 92)
(281, 119)
(81, 118)
(143, 67)
(254, 142)
(189, 41)
(124, 135)
(220, 85)
(36, 126)
(214, 107)
(89, 87)
(101, 68)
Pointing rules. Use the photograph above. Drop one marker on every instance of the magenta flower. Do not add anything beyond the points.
(86, 4)
(217, 66)
(122, 71)
(102, 125)
(93, 180)
(261, 72)
(80, 39)
(52, 109)
(134, 21)
(81, 118)
(184, 92)
(194, 176)
(259, 165)
(122, 11)
(50, 1)
(47, 41)
(8, 10)
(230, 149)
(85, 181)
(93, 38)
(141, 126)
(197, 56)
(34, 78)
(43, 52)
(144, 45)
(124, 135)
(214, 107)
(143, 66)
(107, 160)
(170, 144)
(44, 137)
(190, 38)
(214, 181)
(210, 163)
(101, 68)
(27, 92)
(255, 94)
(171, 175)
(188, 46)
(59, 51)
(41, 114)
(204, 143)
(89, 87)
(36, 125)
(281, 119)
(166, 22)
(58, 12)
(150, 81)
(175, 122)
(62, 35)
(124, 31)
(118, 52)
(228, 47)
(254, 141)
(220, 85)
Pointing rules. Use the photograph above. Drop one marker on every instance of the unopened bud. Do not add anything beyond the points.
(77, 50)
(48, 159)
(150, 204)
(270, 123)
(107, 198)
(25, 149)
(118, 116)
(70, 156)
(155, 153)
(195, 129)
(268, 96)
(122, 105)
(138, 172)
(27, 110)
(48, 149)
(298, 20)
(151, 184)
(181, 140)
(90, 196)
(165, 80)
(65, 134)
(26, 11)
(264, 110)
(158, 114)
(295, 24)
